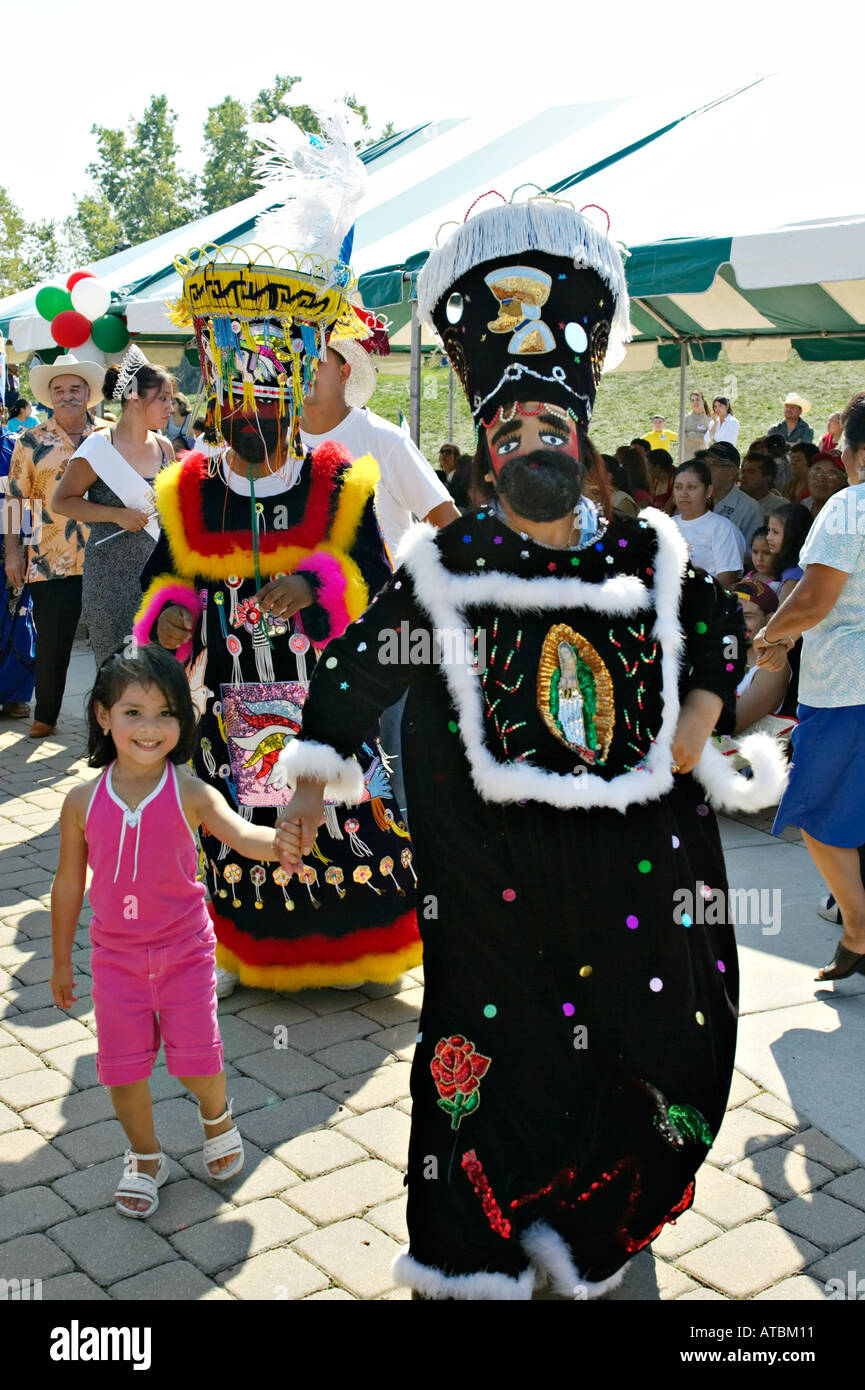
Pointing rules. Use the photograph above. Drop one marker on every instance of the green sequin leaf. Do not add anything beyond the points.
(690, 1123)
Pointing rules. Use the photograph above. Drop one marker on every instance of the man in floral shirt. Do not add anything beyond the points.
(47, 554)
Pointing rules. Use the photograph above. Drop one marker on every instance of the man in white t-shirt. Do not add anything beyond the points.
(336, 410)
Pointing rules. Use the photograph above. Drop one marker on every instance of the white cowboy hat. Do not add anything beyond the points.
(793, 398)
(42, 376)
(362, 378)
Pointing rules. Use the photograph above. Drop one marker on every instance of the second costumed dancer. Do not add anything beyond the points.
(263, 557)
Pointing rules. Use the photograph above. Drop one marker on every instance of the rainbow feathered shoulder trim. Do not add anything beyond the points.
(339, 491)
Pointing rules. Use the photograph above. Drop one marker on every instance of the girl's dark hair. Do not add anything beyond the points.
(636, 468)
(804, 446)
(763, 533)
(148, 381)
(853, 421)
(722, 400)
(150, 665)
(796, 521)
(662, 460)
(20, 405)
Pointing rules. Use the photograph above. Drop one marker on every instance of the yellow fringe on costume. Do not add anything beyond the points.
(383, 969)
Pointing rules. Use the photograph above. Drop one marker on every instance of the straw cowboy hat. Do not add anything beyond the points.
(42, 376)
(362, 379)
(793, 398)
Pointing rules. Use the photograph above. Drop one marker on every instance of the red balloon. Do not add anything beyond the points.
(70, 329)
(79, 275)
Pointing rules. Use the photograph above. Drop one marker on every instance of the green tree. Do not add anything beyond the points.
(139, 189)
(28, 253)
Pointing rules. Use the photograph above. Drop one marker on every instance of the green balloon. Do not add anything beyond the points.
(109, 333)
(51, 300)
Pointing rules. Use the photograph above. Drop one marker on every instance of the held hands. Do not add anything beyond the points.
(771, 656)
(298, 823)
(174, 627)
(286, 596)
(62, 986)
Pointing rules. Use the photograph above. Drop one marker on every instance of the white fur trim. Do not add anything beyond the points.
(531, 226)
(728, 790)
(307, 758)
(549, 1253)
(432, 1283)
(444, 597)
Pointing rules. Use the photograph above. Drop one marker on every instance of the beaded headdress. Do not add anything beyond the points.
(263, 314)
(530, 302)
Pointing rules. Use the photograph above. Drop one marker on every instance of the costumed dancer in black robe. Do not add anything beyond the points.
(564, 673)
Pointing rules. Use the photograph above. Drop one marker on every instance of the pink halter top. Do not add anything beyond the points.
(144, 891)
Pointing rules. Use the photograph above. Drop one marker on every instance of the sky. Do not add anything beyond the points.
(87, 63)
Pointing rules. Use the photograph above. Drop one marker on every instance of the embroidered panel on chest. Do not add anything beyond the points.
(569, 691)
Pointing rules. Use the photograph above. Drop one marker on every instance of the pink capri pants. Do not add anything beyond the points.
(165, 993)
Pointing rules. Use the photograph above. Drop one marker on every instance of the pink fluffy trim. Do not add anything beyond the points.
(331, 592)
(158, 595)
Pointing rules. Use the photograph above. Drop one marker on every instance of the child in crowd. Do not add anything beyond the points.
(153, 943)
(787, 530)
(763, 563)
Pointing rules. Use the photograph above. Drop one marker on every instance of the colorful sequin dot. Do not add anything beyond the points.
(490, 1011)
(686, 920)
(585, 972)
(705, 891)
(656, 985)
(730, 666)
(722, 967)
(330, 663)
(480, 563)
(509, 895)
(361, 646)
(702, 809)
(497, 540)
(452, 726)
(700, 1018)
(623, 544)
(645, 866)
(700, 627)
(575, 560)
(632, 922)
(676, 842)
(568, 1010)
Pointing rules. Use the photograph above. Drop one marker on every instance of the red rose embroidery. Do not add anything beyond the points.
(456, 1070)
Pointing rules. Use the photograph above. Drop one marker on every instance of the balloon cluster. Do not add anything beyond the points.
(80, 312)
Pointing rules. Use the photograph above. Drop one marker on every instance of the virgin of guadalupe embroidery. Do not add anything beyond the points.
(575, 694)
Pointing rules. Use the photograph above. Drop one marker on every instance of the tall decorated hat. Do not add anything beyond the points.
(530, 302)
(263, 314)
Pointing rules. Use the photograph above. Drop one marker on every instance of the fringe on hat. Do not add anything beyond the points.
(533, 226)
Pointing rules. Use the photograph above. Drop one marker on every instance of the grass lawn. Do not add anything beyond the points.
(627, 400)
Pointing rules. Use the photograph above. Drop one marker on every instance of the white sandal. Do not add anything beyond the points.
(135, 1184)
(221, 1145)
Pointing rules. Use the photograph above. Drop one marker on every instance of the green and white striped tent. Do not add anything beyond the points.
(789, 269)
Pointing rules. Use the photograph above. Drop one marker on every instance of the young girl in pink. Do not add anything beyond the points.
(153, 942)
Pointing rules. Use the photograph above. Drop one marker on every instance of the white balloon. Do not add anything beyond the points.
(90, 298)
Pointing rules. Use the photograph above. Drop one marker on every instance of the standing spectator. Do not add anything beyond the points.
(12, 393)
(714, 543)
(614, 472)
(20, 417)
(802, 455)
(793, 428)
(52, 561)
(756, 478)
(661, 477)
(723, 426)
(729, 499)
(659, 437)
(831, 440)
(825, 796)
(17, 633)
(454, 473)
(180, 429)
(448, 455)
(786, 534)
(635, 479)
(697, 421)
(108, 485)
(826, 476)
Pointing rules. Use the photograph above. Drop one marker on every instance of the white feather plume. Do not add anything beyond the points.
(319, 181)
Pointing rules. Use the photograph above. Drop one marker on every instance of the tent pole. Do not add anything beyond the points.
(414, 376)
(450, 404)
(683, 373)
